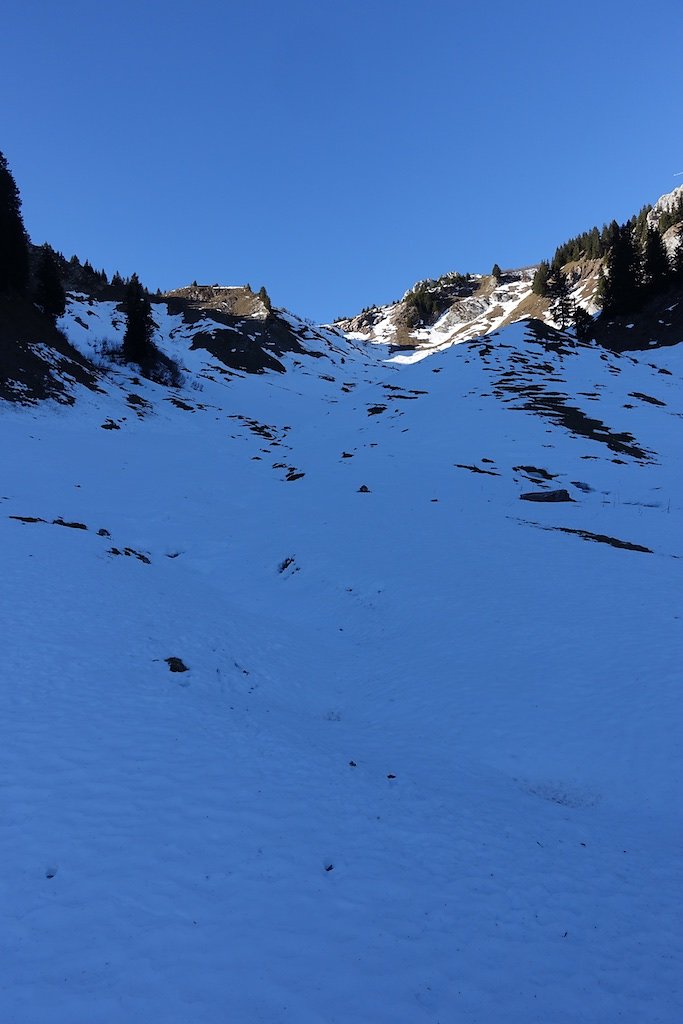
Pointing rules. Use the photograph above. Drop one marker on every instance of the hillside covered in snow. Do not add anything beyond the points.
(341, 685)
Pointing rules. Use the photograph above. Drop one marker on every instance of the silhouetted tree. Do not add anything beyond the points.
(49, 291)
(496, 272)
(137, 341)
(583, 323)
(14, 252)
(562, 306)
(622, 281)
(656, 266)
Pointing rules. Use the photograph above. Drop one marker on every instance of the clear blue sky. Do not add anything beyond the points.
(335, 151)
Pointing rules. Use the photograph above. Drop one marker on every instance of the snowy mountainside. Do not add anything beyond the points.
(486, 305)
(225, 327)
(419, 755)
(666, 204)
(434, 314)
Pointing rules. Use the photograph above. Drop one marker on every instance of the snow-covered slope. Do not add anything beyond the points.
(480, 307)
(425, 761)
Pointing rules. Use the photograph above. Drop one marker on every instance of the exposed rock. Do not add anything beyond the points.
(176, 664)
(559, 495)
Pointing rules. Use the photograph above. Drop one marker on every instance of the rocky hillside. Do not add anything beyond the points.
(435, 314)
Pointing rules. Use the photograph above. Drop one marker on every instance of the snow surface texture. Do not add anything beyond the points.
(425, 762)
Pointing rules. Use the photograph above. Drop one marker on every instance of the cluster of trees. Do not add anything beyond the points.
(566, 311)
(596, 243)
(38, 277)
(428, 299)
(41, 283)
(424, 302)
(637, 264)
(637, 270)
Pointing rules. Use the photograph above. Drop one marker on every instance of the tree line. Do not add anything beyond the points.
(37, 276)
(637, 268)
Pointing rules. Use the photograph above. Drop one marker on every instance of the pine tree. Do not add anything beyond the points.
(622, 282)
(49, 291)
(265, 298)
(656, 266)
(562, 306)
(583, 323)
(496, 272)
(14, 251)
(539, 285)
(137, 341)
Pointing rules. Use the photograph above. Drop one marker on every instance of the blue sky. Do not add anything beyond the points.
(335, 152)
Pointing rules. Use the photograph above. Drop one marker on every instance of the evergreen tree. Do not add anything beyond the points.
(137, 341)
(265, 298)
(656, 267)
(601, 287)
(539, 285)
(610, 232)
(496, 272)
(14, 252)
(583, 323)
(49, 291)
(562, 306)
(622, 281)
(639, 224)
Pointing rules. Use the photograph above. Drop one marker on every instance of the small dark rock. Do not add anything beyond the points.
(103, 533)
(176, 664)
(559, 495)
(363, 489)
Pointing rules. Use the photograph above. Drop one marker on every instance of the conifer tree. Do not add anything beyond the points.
(539, 285)
(496, 272)
(14, 251)
(656, 266)
(583, 323)
(622, 281)
(137, 341)
(562, 305)
(49, 291)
